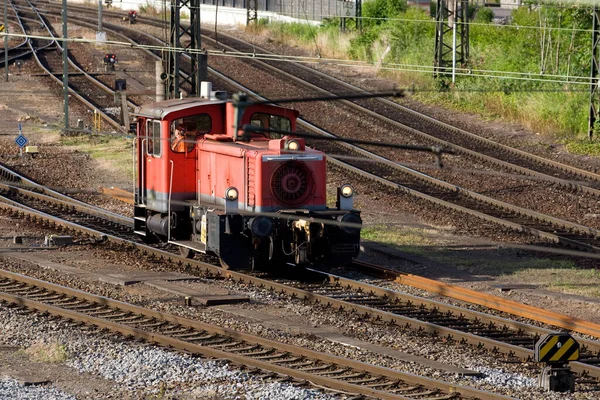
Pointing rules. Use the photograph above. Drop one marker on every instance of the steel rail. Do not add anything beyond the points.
(83, 208)
(386, 102)
(431, 384)
(497, 203)
(423, 135)
(316, 298)
(490, 301)
(82, 99)
(21, 183)
(517, 152)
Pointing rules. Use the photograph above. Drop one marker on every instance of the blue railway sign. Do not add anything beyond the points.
(21, 141)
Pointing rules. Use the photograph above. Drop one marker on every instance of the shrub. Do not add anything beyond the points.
(484, 15)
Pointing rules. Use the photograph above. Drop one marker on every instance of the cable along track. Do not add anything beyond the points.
(211, 341)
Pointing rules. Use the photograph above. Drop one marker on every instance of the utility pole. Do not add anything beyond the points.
(6, 38)
(100, 35)
(451, 17)
(65, 59)
(594, 89)
(198, 64)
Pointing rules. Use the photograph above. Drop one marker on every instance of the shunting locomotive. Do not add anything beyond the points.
(251, 199)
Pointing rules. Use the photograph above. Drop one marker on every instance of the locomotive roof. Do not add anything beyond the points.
(161, 109)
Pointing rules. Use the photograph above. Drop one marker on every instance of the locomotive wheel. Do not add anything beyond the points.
(187, 253)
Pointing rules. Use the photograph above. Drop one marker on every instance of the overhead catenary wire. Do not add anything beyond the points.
(532, 76)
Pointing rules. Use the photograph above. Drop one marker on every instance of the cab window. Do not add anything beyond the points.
(153, 132)
(270, 121)
(192, 128)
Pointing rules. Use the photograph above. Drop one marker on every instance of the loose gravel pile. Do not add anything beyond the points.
(11, 389)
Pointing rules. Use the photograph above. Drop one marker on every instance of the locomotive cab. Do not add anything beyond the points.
(250, 198)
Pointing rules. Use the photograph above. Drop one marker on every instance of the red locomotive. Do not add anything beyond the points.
(254, 200)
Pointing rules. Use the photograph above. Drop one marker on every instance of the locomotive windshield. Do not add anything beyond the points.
(270, 121)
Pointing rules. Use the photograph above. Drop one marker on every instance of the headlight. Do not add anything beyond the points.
(292, 145)
(231, 194)
(346, 191)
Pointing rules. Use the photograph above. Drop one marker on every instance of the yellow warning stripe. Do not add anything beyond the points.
(548, 346)
(565, 347)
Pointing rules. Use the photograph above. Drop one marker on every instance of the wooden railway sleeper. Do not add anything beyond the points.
(303, 364)
(17, 290)
(247, 348)
(193, 335)
(129, 319)
(76, 305)
(67, 302)
(36, 292)
(367, 380)
(152, 323)
(317, 368)
(41, 296)
(178, 331)
(406, 389)
(263, 352)
(272, 356)
(50, 298)
(383, 384)
(289, 361)
(334, 372)
(352, 376)
(137, 321)
(216, 341)
(83, 307)
(114, 316)
(101, 313)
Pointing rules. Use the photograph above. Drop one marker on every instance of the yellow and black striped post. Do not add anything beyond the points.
(557, 349)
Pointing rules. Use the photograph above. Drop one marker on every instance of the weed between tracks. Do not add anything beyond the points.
(52, 352)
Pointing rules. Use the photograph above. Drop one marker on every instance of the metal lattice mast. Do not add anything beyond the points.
(451, 35)
(359, 15)
(594, 90)
(251, 11)
(191, 46)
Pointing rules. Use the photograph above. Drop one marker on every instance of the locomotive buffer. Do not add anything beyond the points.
(556, 350)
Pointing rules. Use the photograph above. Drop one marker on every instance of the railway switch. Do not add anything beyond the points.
(556, 350)
(109, 61)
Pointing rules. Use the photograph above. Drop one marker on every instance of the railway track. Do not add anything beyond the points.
(81, 85)
(321, 369)
(414, 183)
(511, 341)
(347, 296)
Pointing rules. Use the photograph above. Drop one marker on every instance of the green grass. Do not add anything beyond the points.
(407, 239)
(52, 352)
(582, 282)
(556, 110)
(113, 153)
